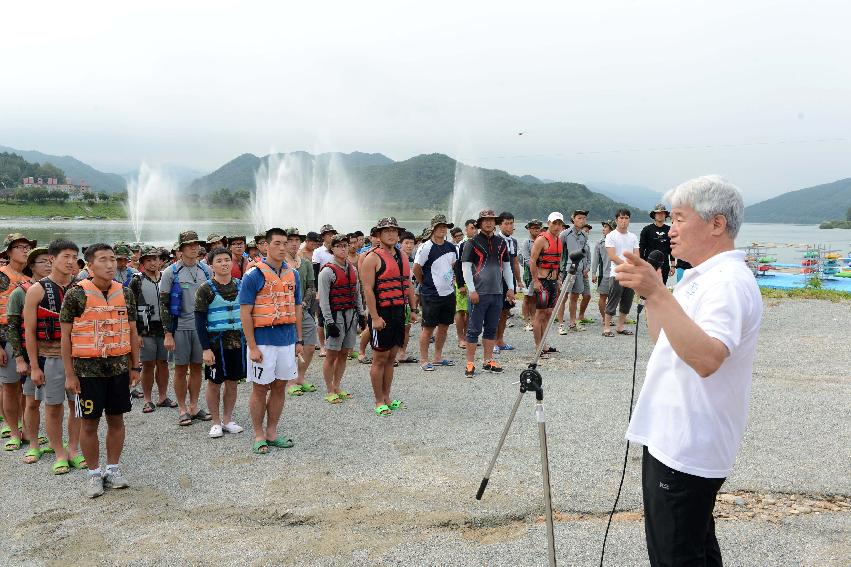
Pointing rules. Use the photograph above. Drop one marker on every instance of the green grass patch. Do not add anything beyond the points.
(109, 210)
(806, 293)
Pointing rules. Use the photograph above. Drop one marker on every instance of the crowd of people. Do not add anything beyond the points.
(93, 328)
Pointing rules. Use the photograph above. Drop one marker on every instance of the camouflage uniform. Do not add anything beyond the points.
(15, 329)
(72, 307)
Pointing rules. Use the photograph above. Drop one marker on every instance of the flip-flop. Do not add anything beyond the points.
(383, 410)
(444, 362)
(395, 363)
(586, 321)
(625, 332)
(308, 387)
(260, 448)
(184, 420)
(202, 416)
(396, 404)
(5, 432)
(364, 360)
(32, 455)
(344, 395)
(61, 467)
(281, 442)
(409, 360)
(506, 347)
(296, 390)
(149, 407)
(167, 403)
(427, 367)
(544, 355)
(552, 349)
(78, 462)
(608, 334)
(333, 399)
(13, 444)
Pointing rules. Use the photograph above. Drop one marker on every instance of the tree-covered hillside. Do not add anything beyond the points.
(804, 206)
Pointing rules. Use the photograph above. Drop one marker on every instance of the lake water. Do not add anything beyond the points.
(785, 238)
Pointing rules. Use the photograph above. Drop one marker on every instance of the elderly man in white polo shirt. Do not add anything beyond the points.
(692, 410)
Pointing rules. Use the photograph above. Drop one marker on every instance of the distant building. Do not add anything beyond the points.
(52, 183)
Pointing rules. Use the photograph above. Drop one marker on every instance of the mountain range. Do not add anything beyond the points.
(75, 170)
(805, 206)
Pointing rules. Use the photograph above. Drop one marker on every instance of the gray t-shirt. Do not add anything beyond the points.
(574, 241)
(191, 278)
(326, 278)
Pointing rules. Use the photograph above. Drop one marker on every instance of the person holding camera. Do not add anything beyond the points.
(342, 311)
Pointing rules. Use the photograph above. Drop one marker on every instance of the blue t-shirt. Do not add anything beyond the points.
(276, 335)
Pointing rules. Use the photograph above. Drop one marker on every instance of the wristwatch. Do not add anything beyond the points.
(300, 342)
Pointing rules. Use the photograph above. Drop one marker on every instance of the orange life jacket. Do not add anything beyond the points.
(550, 258)
(275, 302)
(103, 329)
(15, 279)
(392, 279)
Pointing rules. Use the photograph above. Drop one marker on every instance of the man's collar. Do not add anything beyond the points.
(709, 263)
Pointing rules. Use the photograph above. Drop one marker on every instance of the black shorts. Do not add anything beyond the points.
(230, 365)
(547, 297)
(393, 333)
(99, 395)
(506, 305)
(438, 310)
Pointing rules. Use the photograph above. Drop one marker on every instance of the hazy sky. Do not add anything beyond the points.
(648, 86)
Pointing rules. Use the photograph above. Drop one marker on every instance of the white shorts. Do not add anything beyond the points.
(278, 364)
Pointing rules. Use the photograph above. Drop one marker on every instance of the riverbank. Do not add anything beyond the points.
(359, 489)
(109, 211)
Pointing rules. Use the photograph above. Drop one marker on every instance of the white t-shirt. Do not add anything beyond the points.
(322, 256)
(692, 424)
(621, 242)
(437, 261)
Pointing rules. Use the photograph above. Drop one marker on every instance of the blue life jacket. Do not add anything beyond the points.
(223, 315)
(175, 300)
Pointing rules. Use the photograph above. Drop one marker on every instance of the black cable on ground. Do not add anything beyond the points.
(626, 454)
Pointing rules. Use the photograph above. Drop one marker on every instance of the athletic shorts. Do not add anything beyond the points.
(153, 349)
(506, 305)
(308, 329)
(53, 391)
(187, 348)
(393, 333)
(230, 364)
(99, 395)
(279, 363)
(604, 285)
(28, 386)
(484, 315)
(620, 299)
(462, 301)
(547, 297)
(347, 322)
(438, 310)
(578, 284)
(9, 373)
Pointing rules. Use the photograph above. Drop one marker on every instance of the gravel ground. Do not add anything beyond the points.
(358, 489)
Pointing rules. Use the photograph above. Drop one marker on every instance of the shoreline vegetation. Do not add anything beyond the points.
(109, 211)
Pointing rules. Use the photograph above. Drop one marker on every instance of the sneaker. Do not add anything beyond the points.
(527, 328)
(232, 427)
(216, 431)
(469, 370)
(492, 366)
(114, 479)
(561, 329)
(94, 487)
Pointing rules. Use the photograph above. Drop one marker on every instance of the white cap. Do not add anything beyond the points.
(554, 216)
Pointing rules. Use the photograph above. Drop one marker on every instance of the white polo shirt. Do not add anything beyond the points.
(692, 424)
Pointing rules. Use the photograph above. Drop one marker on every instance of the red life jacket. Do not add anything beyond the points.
(550, 258)
(48, 311)
(344, 288)
(392, 279)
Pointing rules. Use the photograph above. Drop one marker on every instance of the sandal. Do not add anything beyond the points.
(280, 442)
(307, 387)
(13, 444)
(149, 407)
(544, 355)
(625, 332)
(395, 364)
(32, 455)
(344, 395)
(260, 448)
(61, 467)
(396, 404)
(552, 349)
(446, 362)
(78, 462)
(608, 334)
(409, 360)
(5, 432)
(427, 367)
(297, 390)
(333, 399)
(202, 416)
(184, 420)
(506, 347)
(383, 410)
(364, 360)
(587, 321)
(167, 403)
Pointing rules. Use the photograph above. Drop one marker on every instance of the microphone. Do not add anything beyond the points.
(657, 260)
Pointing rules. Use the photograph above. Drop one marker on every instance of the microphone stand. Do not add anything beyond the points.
(531, 380)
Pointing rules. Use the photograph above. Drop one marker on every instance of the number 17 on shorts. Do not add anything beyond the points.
(278, 363)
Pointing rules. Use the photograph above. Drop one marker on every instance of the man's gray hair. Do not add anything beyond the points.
(711, 195)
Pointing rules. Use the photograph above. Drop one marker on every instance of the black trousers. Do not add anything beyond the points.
(678, 522)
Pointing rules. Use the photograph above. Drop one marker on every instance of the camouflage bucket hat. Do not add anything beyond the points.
(259, 237)
(292, 231)
(337, 238)
(326, 228)
(438, 220)
(250, 244)
(122, 251)
(609, 223)
(386, 222)
(188, 237)
(534, 222)
(136, 246)
(150, 252)
(213, 238)
(659, 208)
(486, 214)
(233, 238)
(35, 253)
(16, 237)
